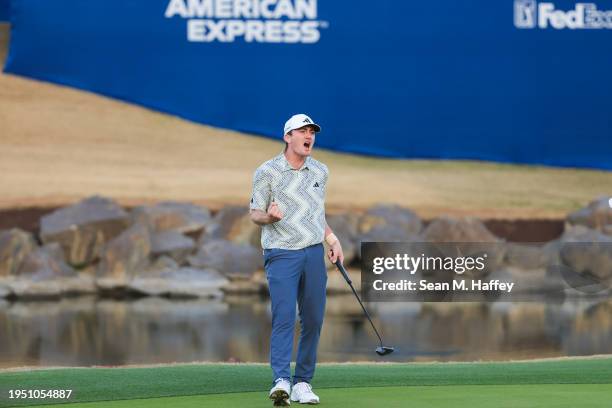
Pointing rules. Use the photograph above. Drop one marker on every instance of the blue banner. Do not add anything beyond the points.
(5, 10)
(514, 81)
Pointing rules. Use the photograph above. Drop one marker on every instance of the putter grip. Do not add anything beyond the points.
(343, 271)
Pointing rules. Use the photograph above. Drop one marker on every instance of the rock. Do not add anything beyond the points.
(257, 283)
(44, 274)
(387, 223)
(524, 256)
(186, 218)
(124, 257)
(236, 261)
(466, 236)
(28, 289)
(386, 233)
(162, 263)
(389, 214)
(234, 224)
(45, 263)
(551, 250)
(531, 256)
(533, 281)
(183, 282)
(52, 287)
(597, 214)
(223, 222)
(80, 284)
(83, 229)
(587, 251)
(15, 245)
(345, 226)
(5, 291)
(463, 229)
(337, 284)
(173, 244)
(580, 233)
(245, 231)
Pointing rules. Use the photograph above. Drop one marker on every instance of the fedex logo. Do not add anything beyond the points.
(531, 14)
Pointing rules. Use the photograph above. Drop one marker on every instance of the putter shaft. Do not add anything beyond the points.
(348, 280)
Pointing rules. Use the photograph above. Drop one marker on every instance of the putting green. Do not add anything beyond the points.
(556, 383)
(472, 396)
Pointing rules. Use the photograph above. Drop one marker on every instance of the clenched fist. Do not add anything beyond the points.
(335, 252)
(274, 212)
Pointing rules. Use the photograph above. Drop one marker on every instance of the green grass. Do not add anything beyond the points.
(570, 382)
(473, 396)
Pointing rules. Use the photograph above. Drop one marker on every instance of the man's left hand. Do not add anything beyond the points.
(335, 252)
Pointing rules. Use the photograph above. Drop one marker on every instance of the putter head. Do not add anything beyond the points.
(384, 350)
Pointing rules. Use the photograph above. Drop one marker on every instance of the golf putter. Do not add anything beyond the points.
(380, 350)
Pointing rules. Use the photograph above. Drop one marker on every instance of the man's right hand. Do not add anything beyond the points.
(274, 212)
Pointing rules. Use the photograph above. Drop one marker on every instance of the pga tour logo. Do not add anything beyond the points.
(262, 21)
(531, 14)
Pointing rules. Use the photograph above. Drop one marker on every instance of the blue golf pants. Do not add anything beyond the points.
(296, 276)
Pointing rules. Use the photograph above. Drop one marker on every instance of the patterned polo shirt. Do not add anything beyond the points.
(300, 195)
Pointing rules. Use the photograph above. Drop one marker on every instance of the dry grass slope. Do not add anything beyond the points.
(58, 145)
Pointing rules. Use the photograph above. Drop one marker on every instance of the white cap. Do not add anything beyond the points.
(298, 121)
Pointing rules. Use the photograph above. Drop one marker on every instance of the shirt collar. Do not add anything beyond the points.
(287, 166)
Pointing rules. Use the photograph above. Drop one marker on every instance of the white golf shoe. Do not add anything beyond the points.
(302, 393)
(280, 393)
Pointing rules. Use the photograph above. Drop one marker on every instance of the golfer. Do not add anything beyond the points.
(288, 201)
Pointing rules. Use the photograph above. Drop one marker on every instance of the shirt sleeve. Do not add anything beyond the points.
(260, 197)
(325, 177)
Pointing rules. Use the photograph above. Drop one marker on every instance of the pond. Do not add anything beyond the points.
(85, 331)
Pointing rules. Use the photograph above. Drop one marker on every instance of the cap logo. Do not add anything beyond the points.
(306, 121)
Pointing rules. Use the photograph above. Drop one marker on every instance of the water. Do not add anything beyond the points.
(87, 331)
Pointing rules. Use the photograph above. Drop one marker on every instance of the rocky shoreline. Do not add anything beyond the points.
(176, 249)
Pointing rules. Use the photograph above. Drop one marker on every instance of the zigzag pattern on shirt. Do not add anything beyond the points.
(301, 205)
